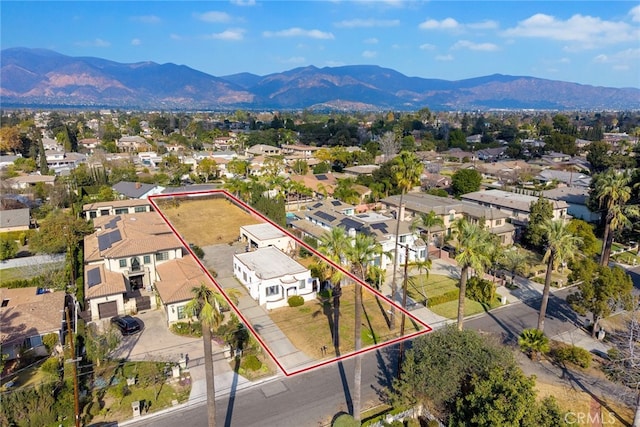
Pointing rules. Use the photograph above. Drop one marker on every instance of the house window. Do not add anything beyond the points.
(5, 302)
(123, 263)
(498, 222)
(181, 314)
(121, 211)
(93, 214)
(272, 290)
(34, 341)
(423, 253)
(162, 256)
(403, 239)
(104, 211)
(302, 284)
(147, 259)
(139, 209)
(244, 276)
(452, 217)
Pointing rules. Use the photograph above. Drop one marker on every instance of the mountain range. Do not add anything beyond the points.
(44, 78)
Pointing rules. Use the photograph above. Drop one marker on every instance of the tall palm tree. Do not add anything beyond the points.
(360, 254)
(427, 221)
(611, 190)
(334, 245)
(205, 307)
(422, 265)
(561, 247)
(406, 169)
(474, 248)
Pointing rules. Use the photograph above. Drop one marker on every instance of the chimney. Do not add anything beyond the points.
(401, 212)
(138, 185)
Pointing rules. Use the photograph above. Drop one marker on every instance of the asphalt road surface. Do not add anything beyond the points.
(313, 398)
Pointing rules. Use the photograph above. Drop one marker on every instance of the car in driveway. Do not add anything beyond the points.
(128, 325)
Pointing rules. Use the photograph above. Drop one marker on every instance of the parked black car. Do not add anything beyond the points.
(127, 325)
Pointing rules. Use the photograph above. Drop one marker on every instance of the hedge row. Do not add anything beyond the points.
(446, 297)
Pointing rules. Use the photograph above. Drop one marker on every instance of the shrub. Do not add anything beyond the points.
(51, 366)
(480, 290)
(187, 329)
(295, 301)
(251, 363)
(441, 299)
(573, 354)
(345, 420)
(197, 250)
(50, 341)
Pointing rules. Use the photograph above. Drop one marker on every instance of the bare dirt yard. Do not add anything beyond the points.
(206, 221)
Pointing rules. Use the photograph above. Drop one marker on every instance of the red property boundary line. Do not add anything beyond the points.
(194, 195)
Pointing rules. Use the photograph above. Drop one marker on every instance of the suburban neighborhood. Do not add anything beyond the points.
(161, 251)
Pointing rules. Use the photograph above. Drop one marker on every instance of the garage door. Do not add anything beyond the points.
(107, 309)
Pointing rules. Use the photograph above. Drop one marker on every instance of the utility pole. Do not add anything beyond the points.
(74, 360)
(404, 305)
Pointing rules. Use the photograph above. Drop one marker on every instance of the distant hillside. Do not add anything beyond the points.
(39, 77)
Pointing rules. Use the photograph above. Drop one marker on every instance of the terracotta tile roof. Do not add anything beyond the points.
(109, 282)
(178, 277)
(28, 313)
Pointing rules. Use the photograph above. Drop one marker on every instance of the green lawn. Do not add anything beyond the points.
(437, 285)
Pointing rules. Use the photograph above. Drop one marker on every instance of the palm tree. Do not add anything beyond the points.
(474, 246)
(533, 342)
(406, 170)
(360, 255)
(612, 191)
(423, 265)
(514, 261)
(561, 247)
(427, 221)
(205, 307)
(334, 245)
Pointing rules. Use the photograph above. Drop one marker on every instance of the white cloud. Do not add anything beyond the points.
(624, 56)
(213, 16)
(369, 54)
(136, 42)
(244, 2)
(372, 40)
(147, 19)
(230, 34)
(174, 36)
(427, 46)
(466, 44)
(299, 32)
(584, 32)
(294, 60)
(367, 23)
(444, 58)
(93, 43)
(445, 24)
(484, 25)
(635, 14)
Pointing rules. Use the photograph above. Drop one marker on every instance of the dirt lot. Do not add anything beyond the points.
(206, 221)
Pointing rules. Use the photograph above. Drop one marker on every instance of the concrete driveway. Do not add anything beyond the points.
(156, 342)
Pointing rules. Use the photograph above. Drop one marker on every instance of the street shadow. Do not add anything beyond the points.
(387, 361)
(344, 382)
(232, 393)
(556, 309)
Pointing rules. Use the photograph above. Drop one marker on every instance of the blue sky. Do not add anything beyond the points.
(588, 42)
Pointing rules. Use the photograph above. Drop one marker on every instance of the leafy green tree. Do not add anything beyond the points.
(598, 155)
(100, 345)
(437, 366)
(465, 181)
(541, 211)
(514, 261)
(582, 229)
(205, 307)
(561, 247)
(533, 342)
(601, 290)
(8, 248)
(502, 397)
(59, 232)
(345, 192)
(208, 168)
(474, 247)
(10, 139)
(300, 167)
(238, 167)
